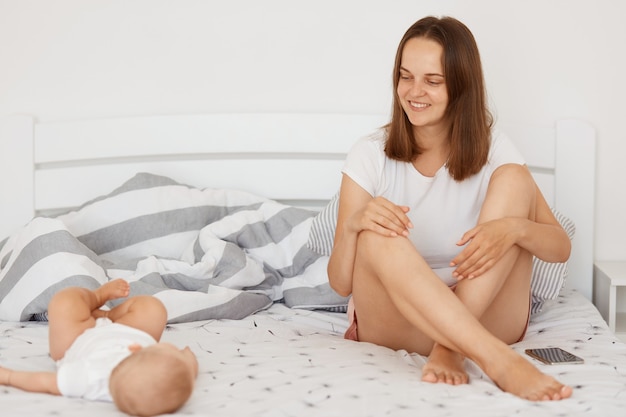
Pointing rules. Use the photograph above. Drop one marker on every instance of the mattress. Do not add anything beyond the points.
(291, 362)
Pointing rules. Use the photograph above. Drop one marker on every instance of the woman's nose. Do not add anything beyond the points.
(417, 89)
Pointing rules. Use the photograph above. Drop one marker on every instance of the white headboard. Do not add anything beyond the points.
(294, 158)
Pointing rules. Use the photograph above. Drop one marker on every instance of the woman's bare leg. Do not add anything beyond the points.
(506, 318)
(500, 298)
(71, 312)
(402, 304)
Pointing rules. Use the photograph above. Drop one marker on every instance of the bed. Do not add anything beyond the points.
(268, 332)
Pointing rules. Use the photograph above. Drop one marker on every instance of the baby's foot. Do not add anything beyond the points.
(445, 366)
(117, 288)
(520, 377)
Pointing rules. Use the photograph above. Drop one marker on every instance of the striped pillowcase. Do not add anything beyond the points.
(322, 233)
(547, 278)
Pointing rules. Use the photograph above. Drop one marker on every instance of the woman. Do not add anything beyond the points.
(438, 222)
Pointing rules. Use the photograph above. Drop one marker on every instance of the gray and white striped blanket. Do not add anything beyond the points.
(206, 253)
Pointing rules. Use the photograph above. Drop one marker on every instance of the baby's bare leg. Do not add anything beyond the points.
(112, 290)
(142, 312)
(71, 312)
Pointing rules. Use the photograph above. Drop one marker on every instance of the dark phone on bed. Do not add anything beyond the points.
(553, 356)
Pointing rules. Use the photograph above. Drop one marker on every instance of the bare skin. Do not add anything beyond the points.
(74, 310)
(414, 326)
(445, 365)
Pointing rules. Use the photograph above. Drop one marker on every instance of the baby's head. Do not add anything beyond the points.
(154, 380)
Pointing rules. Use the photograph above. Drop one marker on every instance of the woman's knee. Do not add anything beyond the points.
(375, 250)
(372, 240)
(514, 175)
(512, 192)
(368, 242)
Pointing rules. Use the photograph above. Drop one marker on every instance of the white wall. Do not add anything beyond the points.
(544, 60)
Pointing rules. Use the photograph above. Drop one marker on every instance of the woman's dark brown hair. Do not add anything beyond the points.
(467, 111)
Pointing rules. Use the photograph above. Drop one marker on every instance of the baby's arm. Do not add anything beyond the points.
(45, 382)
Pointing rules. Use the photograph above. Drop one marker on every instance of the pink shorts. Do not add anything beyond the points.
(352, 333)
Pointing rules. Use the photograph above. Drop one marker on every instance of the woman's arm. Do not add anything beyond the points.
(358, 211)
(44, 382)
(544, 238)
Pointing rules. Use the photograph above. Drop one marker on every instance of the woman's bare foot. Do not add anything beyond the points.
(445, 365)
(117, 288)
(518, 376)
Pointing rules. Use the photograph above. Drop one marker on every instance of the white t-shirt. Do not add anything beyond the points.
(441, 209)
(86, 367)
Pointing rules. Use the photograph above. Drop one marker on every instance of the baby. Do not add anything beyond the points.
(112, 355)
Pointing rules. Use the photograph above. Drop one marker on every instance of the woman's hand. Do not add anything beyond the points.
(381, 216)
(488, 242)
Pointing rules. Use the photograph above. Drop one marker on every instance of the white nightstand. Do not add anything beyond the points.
(609, 281)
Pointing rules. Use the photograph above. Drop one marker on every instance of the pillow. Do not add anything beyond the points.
(547, 278)
(322, 233)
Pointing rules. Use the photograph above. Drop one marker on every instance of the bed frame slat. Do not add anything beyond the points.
(279, 179)
(197, 134)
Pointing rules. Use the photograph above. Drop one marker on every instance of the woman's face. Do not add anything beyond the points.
(421, 87)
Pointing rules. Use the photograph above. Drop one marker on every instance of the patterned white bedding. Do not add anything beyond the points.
(289, 362)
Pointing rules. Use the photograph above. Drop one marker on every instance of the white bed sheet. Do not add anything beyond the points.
(287, 362)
